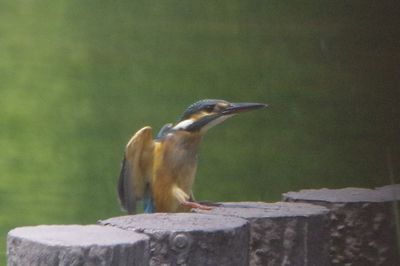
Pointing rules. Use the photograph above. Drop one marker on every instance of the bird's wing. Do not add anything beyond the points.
(136, 169)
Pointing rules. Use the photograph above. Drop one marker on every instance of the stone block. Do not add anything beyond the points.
(90, 245)
(190, 238)
(282, 233)
(364, 223)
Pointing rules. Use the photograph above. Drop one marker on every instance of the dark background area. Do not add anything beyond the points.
(78, 78)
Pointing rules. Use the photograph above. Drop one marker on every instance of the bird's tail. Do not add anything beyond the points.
(148, 203)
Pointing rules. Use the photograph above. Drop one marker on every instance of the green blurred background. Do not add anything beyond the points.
(78, 78)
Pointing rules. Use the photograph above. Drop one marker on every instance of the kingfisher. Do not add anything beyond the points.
(161, 170)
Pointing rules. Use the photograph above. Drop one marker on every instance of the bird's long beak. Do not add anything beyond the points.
(242, 107)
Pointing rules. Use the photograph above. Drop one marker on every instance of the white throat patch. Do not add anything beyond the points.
(183, 124)
(215, 122)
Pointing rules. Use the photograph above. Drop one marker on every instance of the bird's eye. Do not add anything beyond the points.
(209, 108)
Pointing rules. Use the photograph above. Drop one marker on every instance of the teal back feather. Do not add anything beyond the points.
(148, 203)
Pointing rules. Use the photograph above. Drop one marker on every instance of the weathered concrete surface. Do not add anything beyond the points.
(189, 238)
(282, 233)
(362, 223)
(347, 195)
(90, 245)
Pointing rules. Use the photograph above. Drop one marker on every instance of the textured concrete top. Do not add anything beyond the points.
(381, 194)
(76, 235)
(183, 222)
(262, 209)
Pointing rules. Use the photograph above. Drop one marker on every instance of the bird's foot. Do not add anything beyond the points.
(195, 205)
(209, 203)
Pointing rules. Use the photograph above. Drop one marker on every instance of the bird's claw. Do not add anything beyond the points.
(195, 205)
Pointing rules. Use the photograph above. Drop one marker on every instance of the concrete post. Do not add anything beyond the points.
(90, 245)
(364, 223)
(190, 238)
(282, 233)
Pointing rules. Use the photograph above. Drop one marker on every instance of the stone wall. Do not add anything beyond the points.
(349, 226)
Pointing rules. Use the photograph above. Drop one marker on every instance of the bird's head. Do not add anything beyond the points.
(204, 114)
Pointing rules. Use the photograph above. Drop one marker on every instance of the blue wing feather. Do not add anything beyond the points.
(164, 131)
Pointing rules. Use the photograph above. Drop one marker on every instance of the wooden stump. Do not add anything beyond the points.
(364, 223)
(189, 238)
(282, 233)
(90, 245)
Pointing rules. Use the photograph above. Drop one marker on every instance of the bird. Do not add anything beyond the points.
(161, 171)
